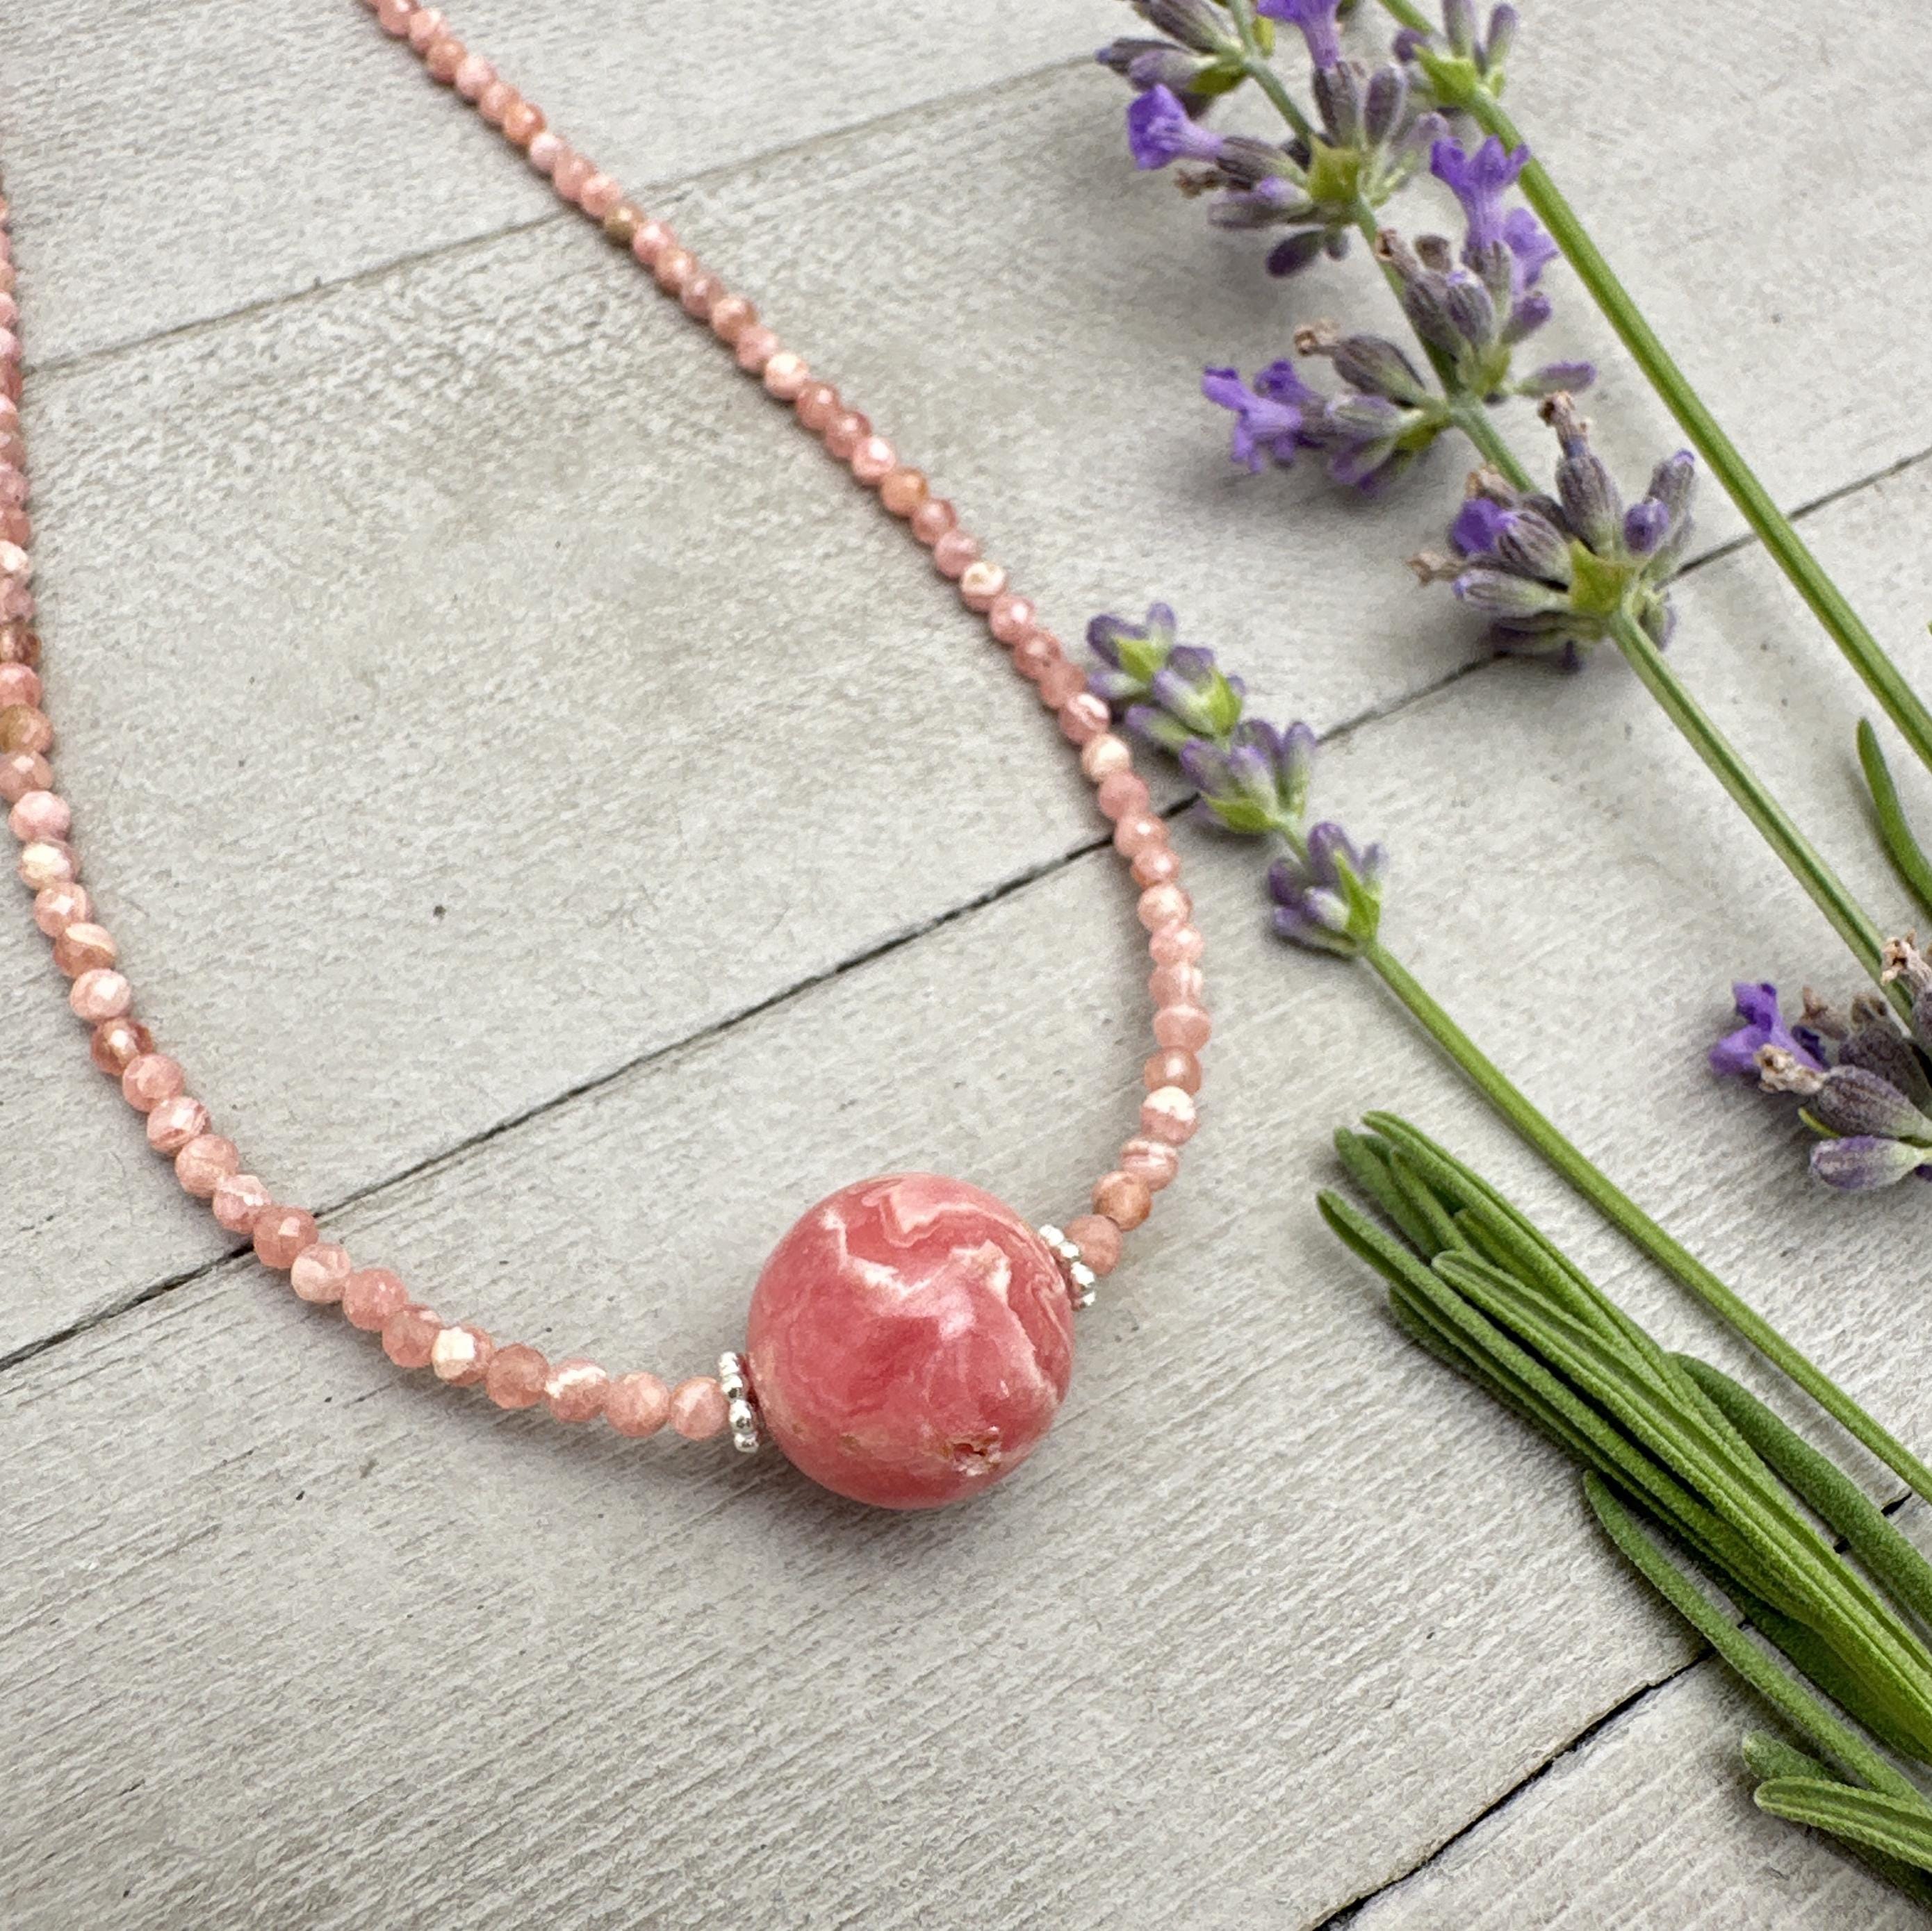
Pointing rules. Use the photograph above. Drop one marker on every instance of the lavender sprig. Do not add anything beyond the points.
(1863, 1081)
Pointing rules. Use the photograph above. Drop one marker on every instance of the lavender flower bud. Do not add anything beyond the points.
(1338, 99)
(1459, 22)
(1329, 896)
(1858, 1165)
(1672, 481)
(1501, 38)
(1258, 783)
(1384, 103)
(1369, 363)
(1194, 23)
(1646, 525)
(1131, 655)
(1470, 310)
(1147, 64)
(1852, 1101)
(1290, 257)
(1191, 698)
(1160, 130)
(1532, 543)
(1590, 498)
(1507, 597)
(1557, 379)
(1528, 314)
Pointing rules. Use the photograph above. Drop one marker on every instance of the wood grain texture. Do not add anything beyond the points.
(1279, 1609)
(1648, 1825)
(451, 663)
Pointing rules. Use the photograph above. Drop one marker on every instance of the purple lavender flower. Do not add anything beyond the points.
(1131, 655)
(1317, 20)
(1479, 180)
(1328, 895)
(1736, 1053)
(1257, 781)
(1144, 64)
(1864, 1083)
(1160, 130)
(1199, 58)
(1454, 64)
(1274, 417)
(1554, 574)
(1189, 698)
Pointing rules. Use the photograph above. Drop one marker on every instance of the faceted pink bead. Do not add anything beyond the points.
(280, 1233)
(1180, 984)
(1164, 905)
(577, 1390)
(845, 433)
(47, 861)
(1156, 865)
(1168, 1113)
(516, 1376)
(115, 1045)
(318, 1273)
(981, 584)
(443, 56)
(522, 122)
(1009, 617)
(786, 375)
(474, 74)
(598, 195)
(1125, 1200)
(755, 348)
(731, 315)
(173, 1123)
(204, 1163)
(673, 269)
(423, 26)
(651, 240)
(700, 292)
(1172, 1065)
(874, 460)
(150, 1079)
(1060, 683)
(638, 1404)
(461, 1356)
(545, 150)
(82, 947)
(954, 552)
(817, 404)
(1176, 945)
(904, 491)
(61, 906)
(408, 1335)
(1153, 1162)
(1102, 757)
(495, 100)
(933, 519)
(393, 15)
(239, 1201)
(697, 1408)
(910, 1340)
(19, 684)
(1036, 653)
(21, 772)
(1134, 831)
(371, 1295)
(1099, 1239)
(101, 995)
(1187, 1027)
(569, 174)
(1083, 718)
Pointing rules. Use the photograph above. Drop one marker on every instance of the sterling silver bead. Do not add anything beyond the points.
(1080, 1278)
(741, 1410)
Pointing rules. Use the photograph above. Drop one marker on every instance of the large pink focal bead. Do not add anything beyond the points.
(910, 1340)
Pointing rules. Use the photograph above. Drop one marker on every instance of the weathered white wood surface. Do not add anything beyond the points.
(477, 583)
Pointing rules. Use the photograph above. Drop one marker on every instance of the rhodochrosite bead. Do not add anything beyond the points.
(910, 1340)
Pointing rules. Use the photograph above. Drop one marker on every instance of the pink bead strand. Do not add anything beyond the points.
(209, 1165)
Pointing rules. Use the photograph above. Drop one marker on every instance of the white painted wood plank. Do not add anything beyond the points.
(1280, 1607)
(171, 163)
(1649, 1826)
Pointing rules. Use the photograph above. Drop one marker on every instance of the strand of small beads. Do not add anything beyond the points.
(827, 1369)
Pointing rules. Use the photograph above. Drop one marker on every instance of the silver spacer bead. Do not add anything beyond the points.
(1080, 1278)
(741, 1409)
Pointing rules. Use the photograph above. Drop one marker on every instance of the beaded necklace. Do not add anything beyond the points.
(910, 1339)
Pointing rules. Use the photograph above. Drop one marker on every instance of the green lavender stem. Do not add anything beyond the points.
(1827, 891)
(1772, 527)
(1616, 1207)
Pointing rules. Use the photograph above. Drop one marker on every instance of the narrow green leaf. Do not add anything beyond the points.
(1768, 1757)
(1826, 1489)
(1366, 1161)
(1898, 1826)
(1908, 857)
(1840, 1743)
